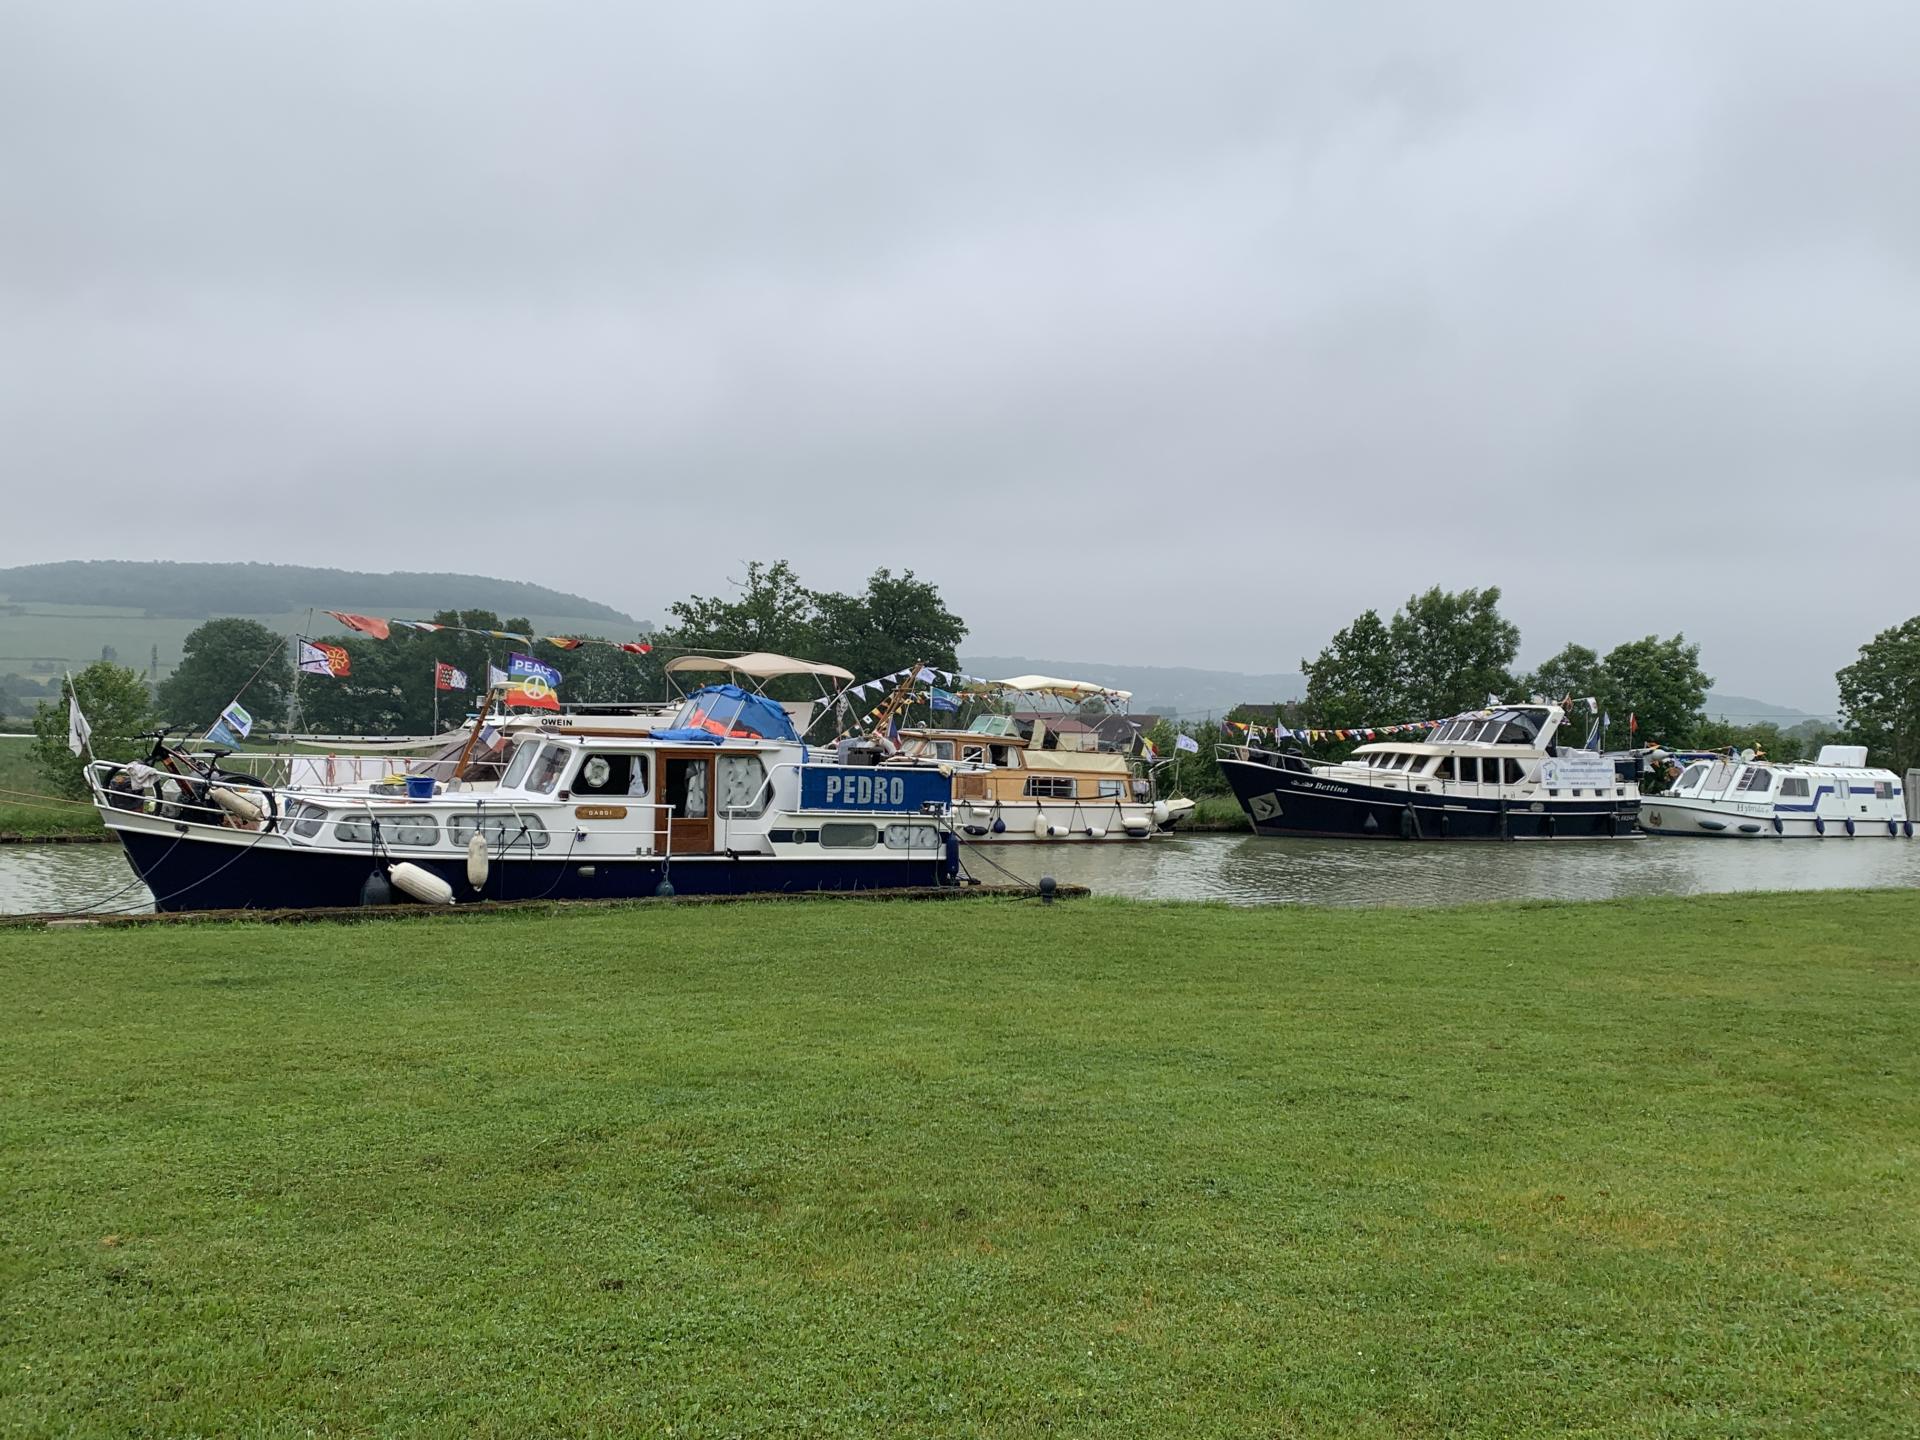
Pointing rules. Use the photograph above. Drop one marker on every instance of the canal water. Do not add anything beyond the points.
(1244, 870)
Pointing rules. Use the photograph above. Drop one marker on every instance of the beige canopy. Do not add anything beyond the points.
(1048, 685)
(758, 665)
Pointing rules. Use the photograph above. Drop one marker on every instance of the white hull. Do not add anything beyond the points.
(1059, 821)
(1729, 820)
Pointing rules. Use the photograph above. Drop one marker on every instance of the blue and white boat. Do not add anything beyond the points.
(727, 799)
(1745, 797)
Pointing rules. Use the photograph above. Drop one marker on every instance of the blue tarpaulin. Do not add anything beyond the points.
(719, 712)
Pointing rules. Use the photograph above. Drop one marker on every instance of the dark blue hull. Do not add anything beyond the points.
(200, 875)
(1282, 797)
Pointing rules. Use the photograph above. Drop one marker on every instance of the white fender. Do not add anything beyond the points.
(422, 885)
(478, 863)
(1161, 814)
(235, 804)
(1040, 825)
(1095, 832)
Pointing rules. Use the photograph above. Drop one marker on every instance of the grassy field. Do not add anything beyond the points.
(25, 806)
(1102, 1168)
(1217, 812)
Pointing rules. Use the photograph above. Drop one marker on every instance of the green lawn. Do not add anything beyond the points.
(25, 806)
(1100, 1169)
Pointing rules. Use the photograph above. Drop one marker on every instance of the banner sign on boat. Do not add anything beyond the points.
(853, 787)
(1577, 772)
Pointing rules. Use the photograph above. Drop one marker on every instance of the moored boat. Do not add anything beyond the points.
(1494, 774)
(726, 800)
(1746, 797)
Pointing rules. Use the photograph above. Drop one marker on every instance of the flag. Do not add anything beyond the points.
(232, 727)
(426, 625)
(1281, 732)
(637, 647)
(1593, 705)
(496, 677)
(79, 732)
(325, 660)
(365, 624)
(924, 675)
(1187, 743)
(532, 684)
(562, 642)
(943, 700)
(1633, 723)
(448, 677)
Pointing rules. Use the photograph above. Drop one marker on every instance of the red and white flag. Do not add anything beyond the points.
(446, 677)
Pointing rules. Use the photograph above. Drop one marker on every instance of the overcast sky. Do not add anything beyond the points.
(1175, 334)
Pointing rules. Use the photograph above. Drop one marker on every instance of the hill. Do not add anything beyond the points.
(1195, 694)
(1157, 689)
(62, 616)
(199, 590)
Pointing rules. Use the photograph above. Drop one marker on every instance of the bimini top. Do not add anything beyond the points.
(757, 665)
(726, 712)
(1048, 685)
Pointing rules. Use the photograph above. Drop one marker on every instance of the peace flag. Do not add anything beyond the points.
(531, 684)
(365, 624)
(330, 660)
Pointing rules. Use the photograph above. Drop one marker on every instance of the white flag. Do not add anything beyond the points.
(79, 732)
(1186, 742)
(496, 677)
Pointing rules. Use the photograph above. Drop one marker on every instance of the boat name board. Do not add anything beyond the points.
(600, 812)
(825, 787)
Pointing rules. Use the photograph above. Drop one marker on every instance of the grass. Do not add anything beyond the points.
(1216, 812)
(27, 808)
(1632, 1169)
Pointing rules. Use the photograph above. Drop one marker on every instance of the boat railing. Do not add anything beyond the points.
(1405, 781)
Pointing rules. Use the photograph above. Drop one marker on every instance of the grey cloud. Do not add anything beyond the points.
(1177, 335)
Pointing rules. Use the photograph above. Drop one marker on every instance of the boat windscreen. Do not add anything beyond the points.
(728, 712)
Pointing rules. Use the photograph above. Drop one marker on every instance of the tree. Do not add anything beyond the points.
(1762, 736)
(898, 621)
(118, 707)
(1660, 683)
(1453, 649)
(218, 659)
(1880, 697)
(1356, 679)
(390, 688)
(1443, 652)
(774, 611)
(1576, 672)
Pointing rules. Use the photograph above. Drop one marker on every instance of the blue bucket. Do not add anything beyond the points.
(419, 787)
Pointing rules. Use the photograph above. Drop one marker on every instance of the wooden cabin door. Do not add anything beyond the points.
(686, 784)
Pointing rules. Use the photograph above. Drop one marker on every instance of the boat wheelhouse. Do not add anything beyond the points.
(1494, 774)
(725, 800)
(1036, 776)
(1746, 797)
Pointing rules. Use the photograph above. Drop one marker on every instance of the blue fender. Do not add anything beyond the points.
(1779, 826)
(1819, 825)
(1849, 824)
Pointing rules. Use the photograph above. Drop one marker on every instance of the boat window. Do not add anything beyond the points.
(603, 774)
(847, 835)
(354, 829)
(974, 754)
(546, 775)
(503, 830)
(1112, 789)
(1050, 787)
(312, 817)
(1000, 753)
(1698, 772)
(1793, 785)
(517, 767)
(1445, 772)
(1487, 732)
(1512, 770)
(1519, 727)
(1883, 790)
(1757, 779)
(412, 828)
(743, 785)
(940, 749)
(905, 836)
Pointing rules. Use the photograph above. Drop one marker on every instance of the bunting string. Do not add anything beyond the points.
(378, 628)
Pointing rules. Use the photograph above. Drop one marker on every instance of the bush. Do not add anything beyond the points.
(116, 703)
